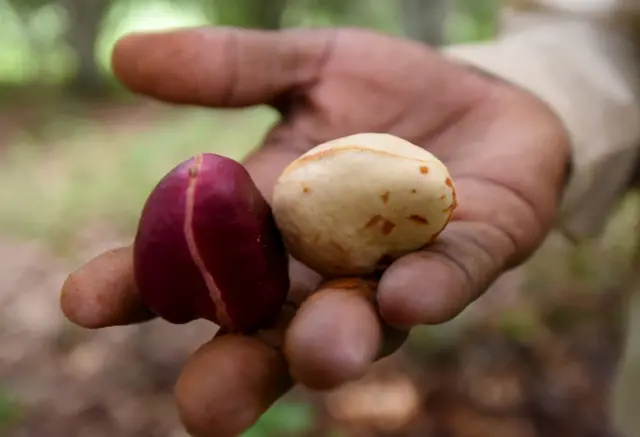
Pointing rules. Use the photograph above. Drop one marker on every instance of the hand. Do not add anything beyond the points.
(505, 150)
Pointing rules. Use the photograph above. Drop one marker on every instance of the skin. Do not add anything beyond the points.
(505, 150)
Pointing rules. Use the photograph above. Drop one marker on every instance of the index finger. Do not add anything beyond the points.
(103, 293)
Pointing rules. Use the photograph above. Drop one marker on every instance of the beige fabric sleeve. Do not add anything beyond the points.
(588, 72)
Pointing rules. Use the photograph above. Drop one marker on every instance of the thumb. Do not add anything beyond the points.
(221, 67)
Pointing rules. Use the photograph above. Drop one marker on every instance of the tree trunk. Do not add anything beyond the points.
(423, 20)
(85, 24)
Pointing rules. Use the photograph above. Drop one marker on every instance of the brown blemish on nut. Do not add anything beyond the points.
(449, 209)
(414, 191)
(444, 196)
(418, 219)
(449, 182)
(361, 286)
(336, 150)
(424, 169)
(385, 197)
(338, 247)
(306, 189)
(373, 221)
(387, 227)
(454, 202)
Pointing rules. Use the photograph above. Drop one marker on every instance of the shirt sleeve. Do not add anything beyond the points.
(588, 72)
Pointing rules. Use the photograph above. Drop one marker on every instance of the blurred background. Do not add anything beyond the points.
(79, 155)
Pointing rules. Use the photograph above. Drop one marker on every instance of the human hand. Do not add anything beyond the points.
(505, 151)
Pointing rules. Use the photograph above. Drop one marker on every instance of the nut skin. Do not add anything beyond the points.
(207, 247)
(351, 206)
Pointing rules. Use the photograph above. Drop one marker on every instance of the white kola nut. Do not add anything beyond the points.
(352, 205)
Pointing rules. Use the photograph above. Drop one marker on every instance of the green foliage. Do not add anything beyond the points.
(473, 20)
(34, 31)
(10, 411)
(26, 6)
(283, 419)
(245, 13)
(371, 14)
(128, 16)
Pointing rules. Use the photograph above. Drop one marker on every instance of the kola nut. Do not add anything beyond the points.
(207, 247)
(351, 206)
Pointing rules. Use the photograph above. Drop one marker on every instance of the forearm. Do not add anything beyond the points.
(589, 75)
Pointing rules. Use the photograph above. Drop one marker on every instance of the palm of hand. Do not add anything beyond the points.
(505, 151)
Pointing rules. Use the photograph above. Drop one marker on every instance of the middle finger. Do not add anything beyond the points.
(337, 334)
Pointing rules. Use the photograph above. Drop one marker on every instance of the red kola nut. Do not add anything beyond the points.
(207, 247)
